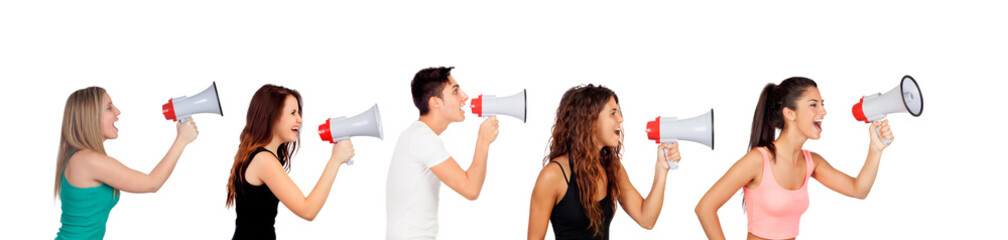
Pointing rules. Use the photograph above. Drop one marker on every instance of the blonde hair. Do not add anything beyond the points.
(81, 128)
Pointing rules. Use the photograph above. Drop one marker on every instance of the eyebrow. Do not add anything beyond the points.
(455, 86)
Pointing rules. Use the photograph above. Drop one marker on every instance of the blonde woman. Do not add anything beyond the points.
(87, 180)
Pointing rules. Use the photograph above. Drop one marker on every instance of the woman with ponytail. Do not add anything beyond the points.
(582, 179)
(775, 172)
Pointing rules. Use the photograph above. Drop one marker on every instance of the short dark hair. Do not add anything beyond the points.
(427, 83)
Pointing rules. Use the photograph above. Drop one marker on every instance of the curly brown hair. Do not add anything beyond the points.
(574, 135)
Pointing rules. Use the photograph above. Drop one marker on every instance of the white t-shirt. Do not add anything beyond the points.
(411, 192)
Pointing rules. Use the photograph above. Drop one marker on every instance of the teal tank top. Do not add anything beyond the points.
(85, 210)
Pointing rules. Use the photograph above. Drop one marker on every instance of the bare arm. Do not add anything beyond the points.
(469, 183)
(268, 170)
(741, 173)
(645, 211)
(110, 171)
(855, 187)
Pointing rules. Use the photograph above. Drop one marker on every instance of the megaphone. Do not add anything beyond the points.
(337, 129)
(181, 108)
(671, 129)
(906, 97)
(491, 105)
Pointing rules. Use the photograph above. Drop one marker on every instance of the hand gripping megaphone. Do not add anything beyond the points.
(181, 108)
(490, 105)
(337, 129)
(906, 97)
(670, 129)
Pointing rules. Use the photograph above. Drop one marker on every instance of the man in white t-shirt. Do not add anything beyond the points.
(420, 162)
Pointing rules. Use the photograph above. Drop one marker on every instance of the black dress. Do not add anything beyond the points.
(256, 207)
(569, 219)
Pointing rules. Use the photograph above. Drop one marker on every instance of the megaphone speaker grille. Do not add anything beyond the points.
(912, 99)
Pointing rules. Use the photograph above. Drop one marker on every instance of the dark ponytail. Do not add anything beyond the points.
(768, 118)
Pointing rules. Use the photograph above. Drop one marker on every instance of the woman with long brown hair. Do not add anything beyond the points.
(774, 174)
(259, 180)
(578, 193)
(88, 181)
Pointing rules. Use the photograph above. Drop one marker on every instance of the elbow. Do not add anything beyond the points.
(472, 195)
(152, 188)
(861, 195)
(648, 226)
(703, 211)
(308, 216)
(700, 210)
(305, 212)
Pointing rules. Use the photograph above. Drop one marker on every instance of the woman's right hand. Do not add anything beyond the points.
(667, 152)
(187, 131)
(342, 151)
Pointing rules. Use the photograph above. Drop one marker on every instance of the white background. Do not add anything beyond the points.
(941, 178)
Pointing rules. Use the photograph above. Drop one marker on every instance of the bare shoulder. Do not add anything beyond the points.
(264, 157)
(816, 157)
(88, 158)
(818, 160)
(555, 172)
(260, 162)
(752, 160)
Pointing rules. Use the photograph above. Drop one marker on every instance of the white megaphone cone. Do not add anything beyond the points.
(367, 123)
(490, 105)
(181, 108)
(670, 129)
(906, 97)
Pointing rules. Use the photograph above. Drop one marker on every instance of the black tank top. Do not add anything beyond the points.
(256, 207)
(569, 219)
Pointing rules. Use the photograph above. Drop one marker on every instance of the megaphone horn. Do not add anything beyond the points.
(181, 108)
(367, 123)
(698, 129)
(491, 105)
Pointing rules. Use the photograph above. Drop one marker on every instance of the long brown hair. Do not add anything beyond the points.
(264, 111)
(574, 135)
(82, 129)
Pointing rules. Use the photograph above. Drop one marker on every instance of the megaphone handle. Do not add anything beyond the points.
(672, 164)
(336, 141)
(884, 141)
(183, 119)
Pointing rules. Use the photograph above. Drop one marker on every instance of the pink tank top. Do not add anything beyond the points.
(774, 212)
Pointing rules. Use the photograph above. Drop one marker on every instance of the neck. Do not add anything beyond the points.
(274, 144)
(790, 143)
(436, 123)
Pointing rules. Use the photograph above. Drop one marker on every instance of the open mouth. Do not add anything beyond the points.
(818, 124)
(618, 131)
(296, 129)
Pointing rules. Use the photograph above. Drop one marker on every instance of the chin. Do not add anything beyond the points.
(814, 136)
